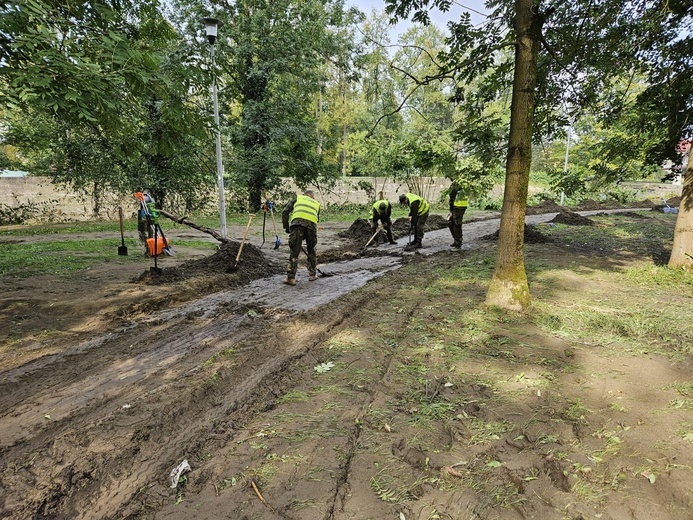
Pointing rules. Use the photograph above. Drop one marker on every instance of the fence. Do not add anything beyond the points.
(53, 203)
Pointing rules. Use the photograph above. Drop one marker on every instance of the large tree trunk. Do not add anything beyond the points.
(509, 288)
(682, 252)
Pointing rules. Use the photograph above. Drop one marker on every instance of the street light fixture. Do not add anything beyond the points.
(211, 26)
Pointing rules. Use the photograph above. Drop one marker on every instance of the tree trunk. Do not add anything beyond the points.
(682, 252)
(509, 288)
(96, 196)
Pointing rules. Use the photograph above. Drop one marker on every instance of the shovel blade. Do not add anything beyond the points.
(277, 243)
(122, 251)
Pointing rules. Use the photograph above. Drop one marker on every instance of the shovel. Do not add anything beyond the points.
(668, 209)
(277, 242)
(234, 267)
(320, 272)
(264, 220)
(371, 239)
(122, 250)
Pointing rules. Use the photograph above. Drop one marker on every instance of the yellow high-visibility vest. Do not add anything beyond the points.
(461, 200)
(377, 204)
(306, 208)
(423, 205)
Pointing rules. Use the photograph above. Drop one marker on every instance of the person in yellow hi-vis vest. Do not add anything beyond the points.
(418, 214)
(458, 205)
(300, 219)
(382, 211)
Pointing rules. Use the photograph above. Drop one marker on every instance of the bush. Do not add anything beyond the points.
(13, 215)
(487, 203)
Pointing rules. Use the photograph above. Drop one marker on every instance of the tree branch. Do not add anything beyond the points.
(204, 229)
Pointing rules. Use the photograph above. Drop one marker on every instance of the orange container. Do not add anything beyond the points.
(160, 245)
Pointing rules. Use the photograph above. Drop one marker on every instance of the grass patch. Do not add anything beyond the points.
(65, 257)
(647, 235)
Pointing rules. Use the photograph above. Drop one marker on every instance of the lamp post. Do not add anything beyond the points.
(571, 120)
(211, 26)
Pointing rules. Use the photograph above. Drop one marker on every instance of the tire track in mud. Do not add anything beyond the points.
(92, 425)
(242, 404)
(101, 378)
(342, 486)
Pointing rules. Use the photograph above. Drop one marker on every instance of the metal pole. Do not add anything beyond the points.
(220, 165)
(565, 163)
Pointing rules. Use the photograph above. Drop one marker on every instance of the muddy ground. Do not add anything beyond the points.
(110, 380)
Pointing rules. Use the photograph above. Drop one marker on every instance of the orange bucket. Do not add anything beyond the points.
(160, 245)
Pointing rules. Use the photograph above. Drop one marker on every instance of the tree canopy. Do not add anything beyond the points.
(115, 95)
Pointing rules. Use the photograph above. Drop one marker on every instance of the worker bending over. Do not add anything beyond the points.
(300, 219)
(382, 211)
(418, 214)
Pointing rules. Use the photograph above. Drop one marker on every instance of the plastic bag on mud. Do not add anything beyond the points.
(176, 472)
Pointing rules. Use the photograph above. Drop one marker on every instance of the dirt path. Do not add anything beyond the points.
(106, 387)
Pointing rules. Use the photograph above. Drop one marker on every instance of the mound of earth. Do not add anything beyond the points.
(252, 264)
(400, 227)
(673, 202)
(435, 221)
(550, 206)
(629, 214)
(532, 236)
(571, 218)
(360, 229)
(547, 206)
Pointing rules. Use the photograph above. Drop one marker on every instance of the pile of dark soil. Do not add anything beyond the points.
(252, 265)
(673, 202)
(435, 221)
(550, 206)
(400, 227)
(532, 236)
(547, 206)
(571, 219)
(359, 229)
(629, 214)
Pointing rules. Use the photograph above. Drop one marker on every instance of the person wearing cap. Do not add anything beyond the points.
(300, 219)
(382, 211)
(458, 205)
(418, 214)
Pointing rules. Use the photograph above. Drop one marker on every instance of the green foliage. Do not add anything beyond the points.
(19, 214)
(270, 59)
(47, 211)
(114, 113)
(79, 60)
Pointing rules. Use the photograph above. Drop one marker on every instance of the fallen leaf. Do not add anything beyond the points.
(452, 472)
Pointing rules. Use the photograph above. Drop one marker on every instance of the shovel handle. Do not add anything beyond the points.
(238, 256)
(371, 239)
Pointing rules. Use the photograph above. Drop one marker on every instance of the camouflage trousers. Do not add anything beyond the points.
(455, 223)
(296, 238)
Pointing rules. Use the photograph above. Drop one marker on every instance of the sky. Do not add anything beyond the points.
(438, 18)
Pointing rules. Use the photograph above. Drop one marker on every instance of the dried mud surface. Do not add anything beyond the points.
(109, 381)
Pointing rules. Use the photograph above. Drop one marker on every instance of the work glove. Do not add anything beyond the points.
(287, 230)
